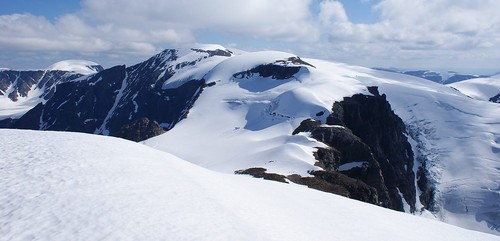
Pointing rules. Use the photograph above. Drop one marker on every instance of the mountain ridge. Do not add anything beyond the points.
(239, 110)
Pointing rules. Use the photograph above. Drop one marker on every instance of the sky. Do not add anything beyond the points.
(458, 35)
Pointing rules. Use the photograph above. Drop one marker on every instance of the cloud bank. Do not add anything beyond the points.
(421, 32)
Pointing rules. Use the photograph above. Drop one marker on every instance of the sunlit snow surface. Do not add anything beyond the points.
(84, 67)
(67, 186)
(480, 88)
(11, 109)
(247, 122)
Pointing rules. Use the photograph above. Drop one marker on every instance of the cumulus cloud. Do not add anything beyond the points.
(259, 18)
(145, 27)
(406, 30)
(26, 32)
(468, 30)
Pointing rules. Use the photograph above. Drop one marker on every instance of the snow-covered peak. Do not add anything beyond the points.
(208, 46)
(84, 67)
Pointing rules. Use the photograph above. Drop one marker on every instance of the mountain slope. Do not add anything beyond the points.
(444, 77)
(20, 91)
(482, 89)
(277, 116)
(159, 91)
(247, 119)
(83, 187)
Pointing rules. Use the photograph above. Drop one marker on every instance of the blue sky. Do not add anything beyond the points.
(48, 8)
(359, 11)
(461, 35)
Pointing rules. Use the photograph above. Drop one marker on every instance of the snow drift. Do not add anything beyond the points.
(67, 186)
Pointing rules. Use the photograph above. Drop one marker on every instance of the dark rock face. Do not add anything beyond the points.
(16, 84)
(140, 130)
(270, 70)
(371, 119)
(345, 147)
(495, 99)
(217, 52)
(96, 68)
(7, 123)
(259, 172)
(338, 183)
(364, 129)
(79, 106)
(326, 181)
(428, 191)
(119, 99)
(280, 69)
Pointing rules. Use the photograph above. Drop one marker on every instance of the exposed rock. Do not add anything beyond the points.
(326, 181)
(427, 196)
(495, 99)
(115, 98)
(30, 120)
(259, 172)
(363, 129)
(7, 123)
(345, 147)
(338, 183)
(274, 71)
(217, 52)
(16, 84)
(294, 60)
(140, 130)
(372, 119)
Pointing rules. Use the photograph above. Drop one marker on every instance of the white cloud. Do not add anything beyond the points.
(332, 12)
(408, 33)
(276, 19)
(442, 32)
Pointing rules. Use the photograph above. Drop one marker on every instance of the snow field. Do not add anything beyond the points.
(68, 186)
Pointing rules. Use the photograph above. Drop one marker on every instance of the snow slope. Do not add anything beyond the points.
(84, 67)
(29, 88)
(11, 109)
(481, 89)
(247, 121)
(67, 186)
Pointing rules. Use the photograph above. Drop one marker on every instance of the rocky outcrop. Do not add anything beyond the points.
(338, 183)
(280, 69)
(259, 172)
(274, 71)
(495, 99)
(367, 142)
(326, 181)
(139, 130)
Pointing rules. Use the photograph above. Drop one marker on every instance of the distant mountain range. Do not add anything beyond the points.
(445, 77)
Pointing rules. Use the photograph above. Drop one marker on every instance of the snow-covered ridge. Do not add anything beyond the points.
(68, 186)
(84, 67)
(481, 88)
(246, 120)
(442, 77)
